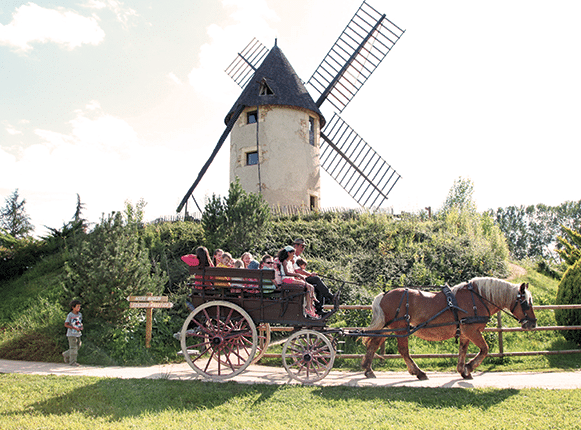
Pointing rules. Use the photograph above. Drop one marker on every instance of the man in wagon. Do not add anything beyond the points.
(321, 290)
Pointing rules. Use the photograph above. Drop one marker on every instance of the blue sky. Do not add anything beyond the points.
(123, 100)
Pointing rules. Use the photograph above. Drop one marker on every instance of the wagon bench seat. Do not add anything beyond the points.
(253, 290)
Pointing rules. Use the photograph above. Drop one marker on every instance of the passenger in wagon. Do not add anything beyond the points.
(246, 258)
(225, 261)
(322, 291)
(237, 284)
(217, 256)
(200, 260)
(289, 276)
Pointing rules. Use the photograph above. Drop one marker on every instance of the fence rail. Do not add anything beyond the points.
(500, 329)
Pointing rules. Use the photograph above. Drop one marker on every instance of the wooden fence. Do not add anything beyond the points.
(500, 329)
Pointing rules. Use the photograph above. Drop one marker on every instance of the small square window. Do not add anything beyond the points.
(252, 117)
(252, 158)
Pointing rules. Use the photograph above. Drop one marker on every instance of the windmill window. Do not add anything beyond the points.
(264, 89)
(252, 158)
(314, 203)
(312, 130)
(252, 117)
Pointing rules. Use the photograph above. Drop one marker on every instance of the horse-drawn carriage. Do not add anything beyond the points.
(232, 309)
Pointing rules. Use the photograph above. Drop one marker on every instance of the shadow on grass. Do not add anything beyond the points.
(32, 346)
(117, 399)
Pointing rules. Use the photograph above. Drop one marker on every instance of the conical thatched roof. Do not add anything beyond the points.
(276, 83)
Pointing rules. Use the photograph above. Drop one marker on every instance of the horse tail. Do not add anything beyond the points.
(377, 318)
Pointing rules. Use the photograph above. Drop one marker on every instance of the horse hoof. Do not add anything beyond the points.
(369, 374)
(422, 377)
(467, 376)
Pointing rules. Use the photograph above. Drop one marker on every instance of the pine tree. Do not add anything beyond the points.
(109, 265)
(13, 217)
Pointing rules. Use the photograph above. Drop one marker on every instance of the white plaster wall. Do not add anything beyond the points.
(289, 164)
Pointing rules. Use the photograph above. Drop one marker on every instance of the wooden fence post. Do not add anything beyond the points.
(148, 324)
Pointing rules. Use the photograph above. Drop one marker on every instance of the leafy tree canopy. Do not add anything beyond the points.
(237, 222)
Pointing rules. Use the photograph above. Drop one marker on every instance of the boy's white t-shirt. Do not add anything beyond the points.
(76, 320)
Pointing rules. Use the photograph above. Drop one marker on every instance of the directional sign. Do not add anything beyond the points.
(147, 299)
(150, 305)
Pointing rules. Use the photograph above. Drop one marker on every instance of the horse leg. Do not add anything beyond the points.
(462, 351)
(373, 344)
(403, 349)
(475, 336)
(479, 341)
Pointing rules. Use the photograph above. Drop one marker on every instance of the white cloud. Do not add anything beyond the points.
(103, 159)
(215, 56)
(122, 13)
(32, 23)
(174, 78)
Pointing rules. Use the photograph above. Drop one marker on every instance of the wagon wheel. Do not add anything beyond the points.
(263, 342)
(219, 340)
(308, 356)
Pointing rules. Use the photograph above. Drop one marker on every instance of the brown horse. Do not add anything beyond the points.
(463, 313)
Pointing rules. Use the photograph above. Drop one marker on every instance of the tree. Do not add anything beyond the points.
(13, 217)
(460, 197)
(237, 222)
(571, 249)
(110, 264)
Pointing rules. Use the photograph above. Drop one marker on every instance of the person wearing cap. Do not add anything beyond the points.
(321, 290)
(289, 276)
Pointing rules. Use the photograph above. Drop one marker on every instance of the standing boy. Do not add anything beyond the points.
(74, 325)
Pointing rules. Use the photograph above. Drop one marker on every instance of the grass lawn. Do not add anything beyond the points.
(58, 402)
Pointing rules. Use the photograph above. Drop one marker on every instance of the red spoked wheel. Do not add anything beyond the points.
(308, 356)
(219, 340)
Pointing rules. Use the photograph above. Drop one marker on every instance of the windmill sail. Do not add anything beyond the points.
(360, 170)
(225, 134)
(356, 54)
(244, 65)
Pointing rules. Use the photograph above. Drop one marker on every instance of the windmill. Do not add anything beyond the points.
(280, 137)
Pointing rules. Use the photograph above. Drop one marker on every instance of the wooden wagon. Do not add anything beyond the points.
(229, 326)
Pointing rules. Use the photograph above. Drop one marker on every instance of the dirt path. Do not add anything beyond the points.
(277, 375)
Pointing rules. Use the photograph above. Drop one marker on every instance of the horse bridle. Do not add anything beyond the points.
(525, 306)
(520, 298)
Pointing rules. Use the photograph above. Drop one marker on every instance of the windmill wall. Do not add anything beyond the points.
(288, 155)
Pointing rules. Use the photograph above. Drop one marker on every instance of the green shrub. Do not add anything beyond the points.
(108, 266)
(569, 292)
(18, 255)
(167, 242)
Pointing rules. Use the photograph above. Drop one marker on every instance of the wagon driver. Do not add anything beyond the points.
(321, 290)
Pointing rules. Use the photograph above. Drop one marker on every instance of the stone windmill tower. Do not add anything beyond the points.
(274, 144)
(279, 137)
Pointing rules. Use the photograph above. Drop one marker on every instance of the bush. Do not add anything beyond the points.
(167, 242)
(569, 292)
(18, 255)
(108, 266)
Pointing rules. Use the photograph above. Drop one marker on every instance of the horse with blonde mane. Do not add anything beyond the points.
(461, 311)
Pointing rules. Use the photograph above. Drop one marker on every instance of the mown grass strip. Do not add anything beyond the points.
(30, 401)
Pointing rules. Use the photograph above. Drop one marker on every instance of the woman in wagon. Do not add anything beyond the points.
(289, 276)
(200, 260)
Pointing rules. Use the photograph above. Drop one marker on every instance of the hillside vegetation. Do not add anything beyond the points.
(123, 256)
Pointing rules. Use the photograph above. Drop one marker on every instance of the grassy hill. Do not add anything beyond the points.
(377, 252)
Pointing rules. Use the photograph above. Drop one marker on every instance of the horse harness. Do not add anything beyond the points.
(451, 305)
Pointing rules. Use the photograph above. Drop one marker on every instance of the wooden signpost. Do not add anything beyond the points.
(148, 302)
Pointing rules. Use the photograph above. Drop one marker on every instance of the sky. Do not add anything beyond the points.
(125, 100)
